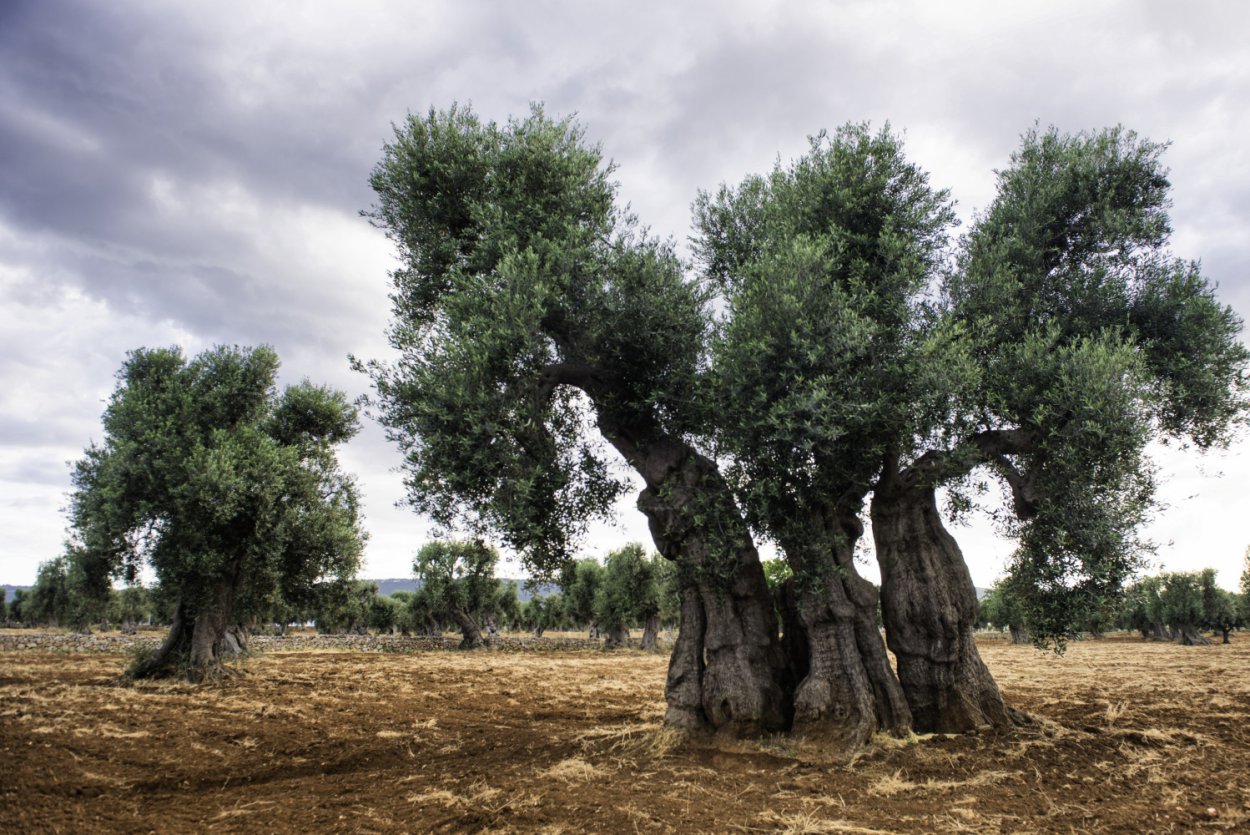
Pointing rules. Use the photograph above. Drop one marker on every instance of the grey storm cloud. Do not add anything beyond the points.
(194, 172)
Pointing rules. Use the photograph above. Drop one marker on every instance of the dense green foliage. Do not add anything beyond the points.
(827, 356)
(229, 490)
(1092, 338)
(458, 584)
(511, 279)
(630, 592)
(579, 585)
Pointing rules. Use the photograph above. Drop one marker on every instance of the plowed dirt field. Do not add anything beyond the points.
(1132, 737)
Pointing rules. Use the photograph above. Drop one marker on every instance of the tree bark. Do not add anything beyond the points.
(739, 677)
(846, 689)
(166, 660)
(616, 638)
(650, 631)
(728, 653)
(1019, 635)
(209, 630)
(1190, 636)
(471, 635)
(930, 611)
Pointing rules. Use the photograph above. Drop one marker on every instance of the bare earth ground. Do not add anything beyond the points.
(1134, 737)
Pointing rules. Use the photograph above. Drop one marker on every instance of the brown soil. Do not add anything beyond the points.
(1132, 737)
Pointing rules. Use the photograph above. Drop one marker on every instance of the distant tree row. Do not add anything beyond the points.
(458, 590)
(1172, 606)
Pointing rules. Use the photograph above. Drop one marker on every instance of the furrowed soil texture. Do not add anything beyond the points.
(1131, 737)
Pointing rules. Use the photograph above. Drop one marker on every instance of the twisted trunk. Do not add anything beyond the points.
(200, 634)
(846, 689)
(617, 637)
(176, 645)
(930, 611)
(472, 636)
(726, 671)
(1190, 636)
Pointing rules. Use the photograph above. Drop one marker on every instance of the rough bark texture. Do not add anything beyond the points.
(929, 607)
(616, 638)
(1190, 636)
(1019, 635)
(177, 643)
(472, 636)
(739, 677)
(208, 635)
(728, 653)
(683, 690)
(846, 689)
(650, 632)
(728, 650)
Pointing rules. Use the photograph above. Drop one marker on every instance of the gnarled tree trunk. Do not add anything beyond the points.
(616, 637)
(650, 631)
(176, 644)
(846, 689)
(1190, 636)
(471, 635)
(930, 611)
(726, 670)
(200, 634)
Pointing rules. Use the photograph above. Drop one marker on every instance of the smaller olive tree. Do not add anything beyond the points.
(458, 583)
(1002, 608)
(579, 582)
(229, 490)
(628, 595)
(543, 612)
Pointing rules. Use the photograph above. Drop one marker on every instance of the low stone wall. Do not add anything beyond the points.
(68, 642)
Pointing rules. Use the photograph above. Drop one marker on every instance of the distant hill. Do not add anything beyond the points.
(10, 591)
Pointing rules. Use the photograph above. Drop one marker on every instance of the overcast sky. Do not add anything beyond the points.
(192, 174)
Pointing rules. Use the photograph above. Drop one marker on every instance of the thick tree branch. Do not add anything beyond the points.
(989, 447)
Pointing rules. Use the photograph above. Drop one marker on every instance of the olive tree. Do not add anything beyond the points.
(830, 360)
(1064, 338)
(229, 490)
(536, 322)
(580, 581)
(458, 583)
(628, 594)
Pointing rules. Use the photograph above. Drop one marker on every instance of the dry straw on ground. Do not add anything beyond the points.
(1132, 737)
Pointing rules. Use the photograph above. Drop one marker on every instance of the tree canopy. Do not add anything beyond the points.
(229, 490)
(835, 352)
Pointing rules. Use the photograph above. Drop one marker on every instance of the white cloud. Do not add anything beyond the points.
(194, 177)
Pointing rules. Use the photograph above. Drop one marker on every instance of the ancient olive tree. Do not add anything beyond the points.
(834, 360)
(629, 594)
(1064, 338)
(229, 490)
(458, 583)
(579, 585)
(61, 595)
(825, 359)
(535, 322)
